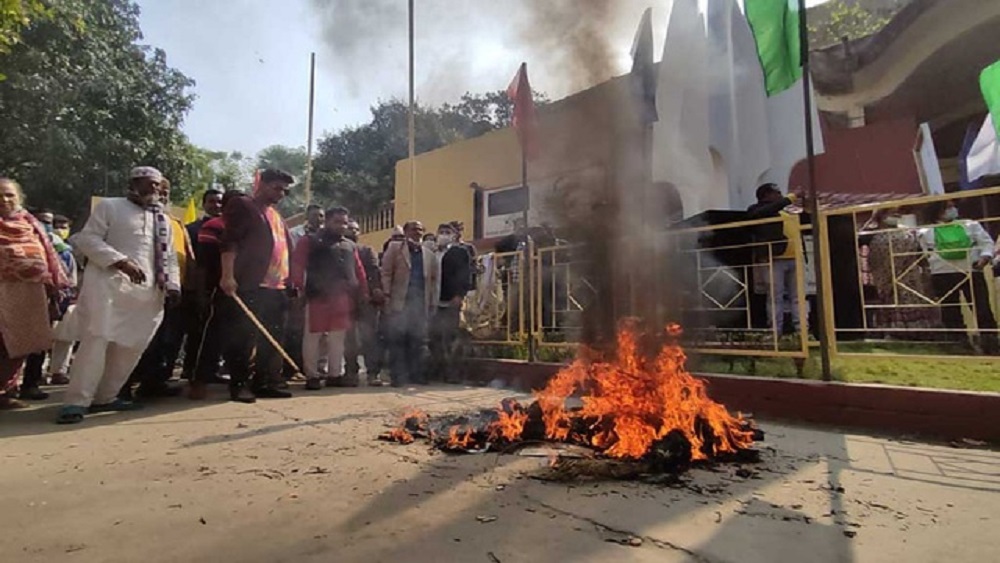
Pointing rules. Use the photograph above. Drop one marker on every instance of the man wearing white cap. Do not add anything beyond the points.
(131, 272)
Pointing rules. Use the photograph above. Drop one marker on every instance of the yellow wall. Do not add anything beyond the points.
(443, 177)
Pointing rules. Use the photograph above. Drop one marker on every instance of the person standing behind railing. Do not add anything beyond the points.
(957, 251)
(777, 243)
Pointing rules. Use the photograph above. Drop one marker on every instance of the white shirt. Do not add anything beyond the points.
(110, 306)
(982, 245)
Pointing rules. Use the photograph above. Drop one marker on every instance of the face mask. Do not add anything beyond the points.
(445, 240)
(951, 214)
(62, 233)
(891, 222)
(47, 227)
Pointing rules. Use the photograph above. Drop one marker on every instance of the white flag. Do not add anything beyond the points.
(738, 120)
(984, 156)
(787, 134)
(681, 154)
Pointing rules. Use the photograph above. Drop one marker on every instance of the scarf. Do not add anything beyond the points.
(14, 235)
(161, 239)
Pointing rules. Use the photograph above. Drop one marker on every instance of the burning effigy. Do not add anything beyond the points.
(632, 407)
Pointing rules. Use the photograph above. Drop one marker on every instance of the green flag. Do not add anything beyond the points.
(775, 25)
(989, 82)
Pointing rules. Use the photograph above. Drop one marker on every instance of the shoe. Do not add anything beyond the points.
(59, 379)
(376, 382)
(242, 395)
(118, 405)
(314, 384)
(198, 391)
(271, 393)
(157, 391)
(32, 394)
(335, 381)
(216, 380)
(283, 385)
(10, 404)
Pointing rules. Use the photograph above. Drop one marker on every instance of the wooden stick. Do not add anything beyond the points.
(267, 335)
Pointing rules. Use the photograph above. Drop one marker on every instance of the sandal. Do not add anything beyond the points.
(118, 405)
(71, 414)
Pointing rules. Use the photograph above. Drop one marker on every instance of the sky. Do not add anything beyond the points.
(250, 58)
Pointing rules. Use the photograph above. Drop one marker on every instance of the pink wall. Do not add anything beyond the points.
(877, 158)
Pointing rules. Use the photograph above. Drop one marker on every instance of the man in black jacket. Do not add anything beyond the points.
(454, 277)
(777, 244)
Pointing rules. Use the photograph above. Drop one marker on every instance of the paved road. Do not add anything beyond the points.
(304, 480)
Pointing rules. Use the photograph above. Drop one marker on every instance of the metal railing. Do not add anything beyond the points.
(719, 281)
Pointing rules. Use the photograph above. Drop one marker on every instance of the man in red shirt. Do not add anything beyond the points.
(256, 266)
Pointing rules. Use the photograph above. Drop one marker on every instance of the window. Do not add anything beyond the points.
(507, 202)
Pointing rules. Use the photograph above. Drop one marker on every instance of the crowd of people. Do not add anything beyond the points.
(246, 300)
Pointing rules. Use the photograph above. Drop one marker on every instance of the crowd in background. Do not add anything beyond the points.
(247, 301)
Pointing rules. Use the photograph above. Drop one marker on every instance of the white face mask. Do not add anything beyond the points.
(951, 214)
(891, 221)
(444, 240)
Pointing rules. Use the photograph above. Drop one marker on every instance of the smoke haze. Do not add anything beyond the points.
(476, 45)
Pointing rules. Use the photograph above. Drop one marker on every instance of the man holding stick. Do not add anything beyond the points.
(255, 268)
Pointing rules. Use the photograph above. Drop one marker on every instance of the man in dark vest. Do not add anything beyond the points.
(327, 271)
(363, 340)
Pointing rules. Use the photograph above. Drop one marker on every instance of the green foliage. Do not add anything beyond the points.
(84, 101)
(356, 166)
(292, 160)
(838, 19)
(15, 16)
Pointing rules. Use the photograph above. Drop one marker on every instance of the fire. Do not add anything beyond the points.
(629, 403)
(510, 425)
(635, 406)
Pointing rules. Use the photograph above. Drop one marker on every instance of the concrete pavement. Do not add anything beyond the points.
(305, 480)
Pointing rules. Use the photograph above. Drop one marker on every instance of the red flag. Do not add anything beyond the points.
(524, 119)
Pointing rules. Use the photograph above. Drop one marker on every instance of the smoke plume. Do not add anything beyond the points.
(472, 45)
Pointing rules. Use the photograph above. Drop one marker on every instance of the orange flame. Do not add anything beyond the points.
(631, 402)
(460, 437)
(509, 426)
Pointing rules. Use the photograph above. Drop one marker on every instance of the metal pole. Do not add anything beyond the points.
(528, 270)
(824, 336)
(412, 126)
(309, 142)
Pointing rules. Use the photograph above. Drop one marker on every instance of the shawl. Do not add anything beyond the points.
(21, 230)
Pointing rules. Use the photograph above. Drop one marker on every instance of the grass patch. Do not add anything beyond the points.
(962, 375)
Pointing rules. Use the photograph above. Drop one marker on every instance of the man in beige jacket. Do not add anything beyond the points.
(409, 276)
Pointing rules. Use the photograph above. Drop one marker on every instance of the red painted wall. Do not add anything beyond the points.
(877, 158)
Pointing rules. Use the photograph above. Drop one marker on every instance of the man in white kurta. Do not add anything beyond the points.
(121, 302)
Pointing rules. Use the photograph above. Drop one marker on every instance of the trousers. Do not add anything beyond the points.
(363, 339)
(247, 343)
(100, 370)
(443, 341)
(334, 351)
(782, 284)
(407, 335)
(948, 287)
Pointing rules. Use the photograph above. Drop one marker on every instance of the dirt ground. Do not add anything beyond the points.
(305, 480)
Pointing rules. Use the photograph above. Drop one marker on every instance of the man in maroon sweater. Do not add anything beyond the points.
(255, 266)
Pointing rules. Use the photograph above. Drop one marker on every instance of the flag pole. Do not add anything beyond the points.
(824, 338)
(309, 141)
(411, 133)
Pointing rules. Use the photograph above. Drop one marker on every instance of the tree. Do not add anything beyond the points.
(84, 101)
(836, 20)
(356, 166)
(15, 15)
(292, 160)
